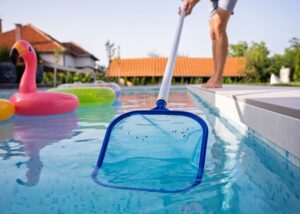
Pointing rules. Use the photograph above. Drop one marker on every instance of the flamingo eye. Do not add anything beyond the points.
(29, 49)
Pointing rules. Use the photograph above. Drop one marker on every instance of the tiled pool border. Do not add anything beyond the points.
(227, 106)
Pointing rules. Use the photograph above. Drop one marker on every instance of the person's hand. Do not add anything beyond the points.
(188, 6)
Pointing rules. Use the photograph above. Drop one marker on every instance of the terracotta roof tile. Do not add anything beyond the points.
(185, 67)
(41, 41)
(75, 49)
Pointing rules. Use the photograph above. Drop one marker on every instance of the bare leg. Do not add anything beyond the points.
(219, 39)
(213, 48)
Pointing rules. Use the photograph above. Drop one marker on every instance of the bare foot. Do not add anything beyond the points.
(213, 83)
(211, 79)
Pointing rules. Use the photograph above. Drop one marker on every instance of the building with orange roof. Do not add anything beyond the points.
(185, 67)
(64, 56)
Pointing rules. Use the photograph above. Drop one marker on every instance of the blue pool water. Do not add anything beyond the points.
(46, 165)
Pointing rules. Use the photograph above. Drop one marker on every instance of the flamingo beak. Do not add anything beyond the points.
(17, 50)
(14, 56)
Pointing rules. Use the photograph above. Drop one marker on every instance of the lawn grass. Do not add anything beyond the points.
(292, 84)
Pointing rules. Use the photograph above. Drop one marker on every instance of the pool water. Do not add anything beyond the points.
(46, 165)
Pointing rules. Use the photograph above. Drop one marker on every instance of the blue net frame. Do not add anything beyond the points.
(160, 109)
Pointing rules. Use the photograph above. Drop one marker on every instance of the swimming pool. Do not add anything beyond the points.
(46, 165)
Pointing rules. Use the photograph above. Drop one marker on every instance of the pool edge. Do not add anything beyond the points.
(275, 127)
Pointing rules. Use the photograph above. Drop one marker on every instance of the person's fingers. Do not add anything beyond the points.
(185, 8)
(179, 10)
(188, 9)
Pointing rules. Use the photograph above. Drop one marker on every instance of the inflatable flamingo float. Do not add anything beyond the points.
(30, 102)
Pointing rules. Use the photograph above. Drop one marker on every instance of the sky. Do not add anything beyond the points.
(141, 27)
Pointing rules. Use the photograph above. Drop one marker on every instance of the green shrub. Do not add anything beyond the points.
(143, 81)
(133, 80)
(181, 81)
(61, 78)
(153, 81)
(173, 81)
(76, 77)
(88, 78)
(48, 78)
(45, 79)
(4, 55)
(69, 77)
(227, 80)
(192, 81)
(198, 80)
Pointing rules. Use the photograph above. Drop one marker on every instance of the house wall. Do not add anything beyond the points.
(48, 57)
(84, 62)
(69, 61)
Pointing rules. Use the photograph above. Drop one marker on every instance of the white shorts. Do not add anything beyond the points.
(227, 5)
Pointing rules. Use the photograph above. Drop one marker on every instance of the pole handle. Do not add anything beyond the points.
(167, 78)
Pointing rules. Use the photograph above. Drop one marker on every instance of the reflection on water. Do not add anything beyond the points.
(276, 178)
(96, 115)
(251, 176)
(7, 149)
(32, 134)
(137, 101)
(27, 136)
(57, 155)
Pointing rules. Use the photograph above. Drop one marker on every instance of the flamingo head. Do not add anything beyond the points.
(21, 49)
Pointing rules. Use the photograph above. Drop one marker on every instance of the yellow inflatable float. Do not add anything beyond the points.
(7, 109)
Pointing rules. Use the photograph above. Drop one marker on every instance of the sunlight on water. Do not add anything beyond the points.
(46, 165)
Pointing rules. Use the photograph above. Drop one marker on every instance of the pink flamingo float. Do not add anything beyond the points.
(30, 102)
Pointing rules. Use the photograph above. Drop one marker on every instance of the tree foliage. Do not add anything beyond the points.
(110, 50)
(257, 62)
(238, 50)
(275, 64)
(259, 65)
(291, 58)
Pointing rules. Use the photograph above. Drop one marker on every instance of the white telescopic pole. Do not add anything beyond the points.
(167, 79)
